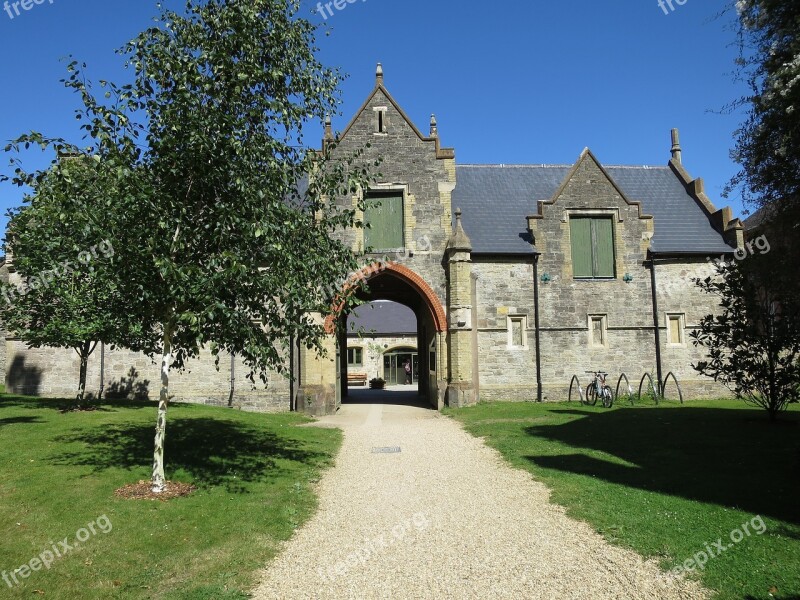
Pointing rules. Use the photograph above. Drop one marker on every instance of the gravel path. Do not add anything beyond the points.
(446, 518)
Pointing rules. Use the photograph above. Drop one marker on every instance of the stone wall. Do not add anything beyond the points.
(416, 166)
(504, 288)
(567, 303)
(679, 295)
(3, 278)
(53, 373)
(411, 164)
(374, 349)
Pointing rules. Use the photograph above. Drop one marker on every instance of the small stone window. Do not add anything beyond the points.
(598, 331)
(675, 329)
(381, 120)
(355, 357)
(517, 326)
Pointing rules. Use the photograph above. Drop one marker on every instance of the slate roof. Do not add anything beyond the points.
(496, 199)
(757, 219)
(382, 318)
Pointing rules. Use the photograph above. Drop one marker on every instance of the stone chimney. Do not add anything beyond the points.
(379, 75)
(677, 153)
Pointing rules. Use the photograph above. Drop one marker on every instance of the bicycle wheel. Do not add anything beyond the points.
(608, 397)
(591, 395)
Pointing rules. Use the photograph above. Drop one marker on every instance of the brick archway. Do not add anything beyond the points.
(410, 278)
(422, 288)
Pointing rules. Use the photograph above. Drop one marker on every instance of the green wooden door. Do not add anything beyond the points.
(384, 218)
(580, 231)
(592, 241)
(603, 247)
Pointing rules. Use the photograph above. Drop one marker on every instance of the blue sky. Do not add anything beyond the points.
(514, 82)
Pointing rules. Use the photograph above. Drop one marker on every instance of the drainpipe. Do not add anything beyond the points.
(291, 372)
(233, 379)
(102, 370)
(537, 327)
(656, 320)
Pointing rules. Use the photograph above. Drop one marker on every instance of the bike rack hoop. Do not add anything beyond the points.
(652, 387)
(573, 381)
(628, 383)
(677, 385)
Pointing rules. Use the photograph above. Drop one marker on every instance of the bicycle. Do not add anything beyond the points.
(599, 389)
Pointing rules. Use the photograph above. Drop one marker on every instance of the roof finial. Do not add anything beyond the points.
(677, 153)
(459, 240)
(328, 128)
(434, 127)
(379, 75)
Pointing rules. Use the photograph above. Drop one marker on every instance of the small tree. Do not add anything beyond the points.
(68, 297)
(224, 222)
(753, 344)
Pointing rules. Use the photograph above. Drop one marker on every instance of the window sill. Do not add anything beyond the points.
(594, 279)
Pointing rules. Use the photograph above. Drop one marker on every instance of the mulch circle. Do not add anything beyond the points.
(143, 491)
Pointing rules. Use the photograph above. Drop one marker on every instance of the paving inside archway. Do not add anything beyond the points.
(398, 395)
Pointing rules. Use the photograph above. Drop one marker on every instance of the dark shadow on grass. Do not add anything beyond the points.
(34, 402)
(18, 420)
(721, 456)
(214, 452)
(60, 404)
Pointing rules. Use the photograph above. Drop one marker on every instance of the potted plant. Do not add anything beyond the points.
(377, 383)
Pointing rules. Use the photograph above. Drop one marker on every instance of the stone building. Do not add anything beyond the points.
(381, 338)
(519, 276)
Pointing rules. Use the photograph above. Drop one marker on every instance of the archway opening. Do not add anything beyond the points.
(392, 340)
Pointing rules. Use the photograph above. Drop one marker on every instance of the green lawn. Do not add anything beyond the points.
(58, 473)
(669, 481)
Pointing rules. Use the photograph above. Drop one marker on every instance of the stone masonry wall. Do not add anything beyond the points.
(677, 294)
(374, 349)
(566, 303)
(504, 288)
(410, 165)
(53, 373)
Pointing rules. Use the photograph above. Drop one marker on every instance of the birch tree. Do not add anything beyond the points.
(221, 215)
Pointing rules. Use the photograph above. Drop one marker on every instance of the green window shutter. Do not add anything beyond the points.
(580, 231)
(603, 246)
(384, 215)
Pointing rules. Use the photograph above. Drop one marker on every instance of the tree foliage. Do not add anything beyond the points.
(753, 343)
(768, 143)
(223, 217)
(63, 291)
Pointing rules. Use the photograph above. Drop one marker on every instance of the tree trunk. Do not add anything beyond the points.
(84, 351)
(84, 356)
(158, 480)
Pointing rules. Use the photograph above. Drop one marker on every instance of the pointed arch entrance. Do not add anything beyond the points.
(398, 283)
